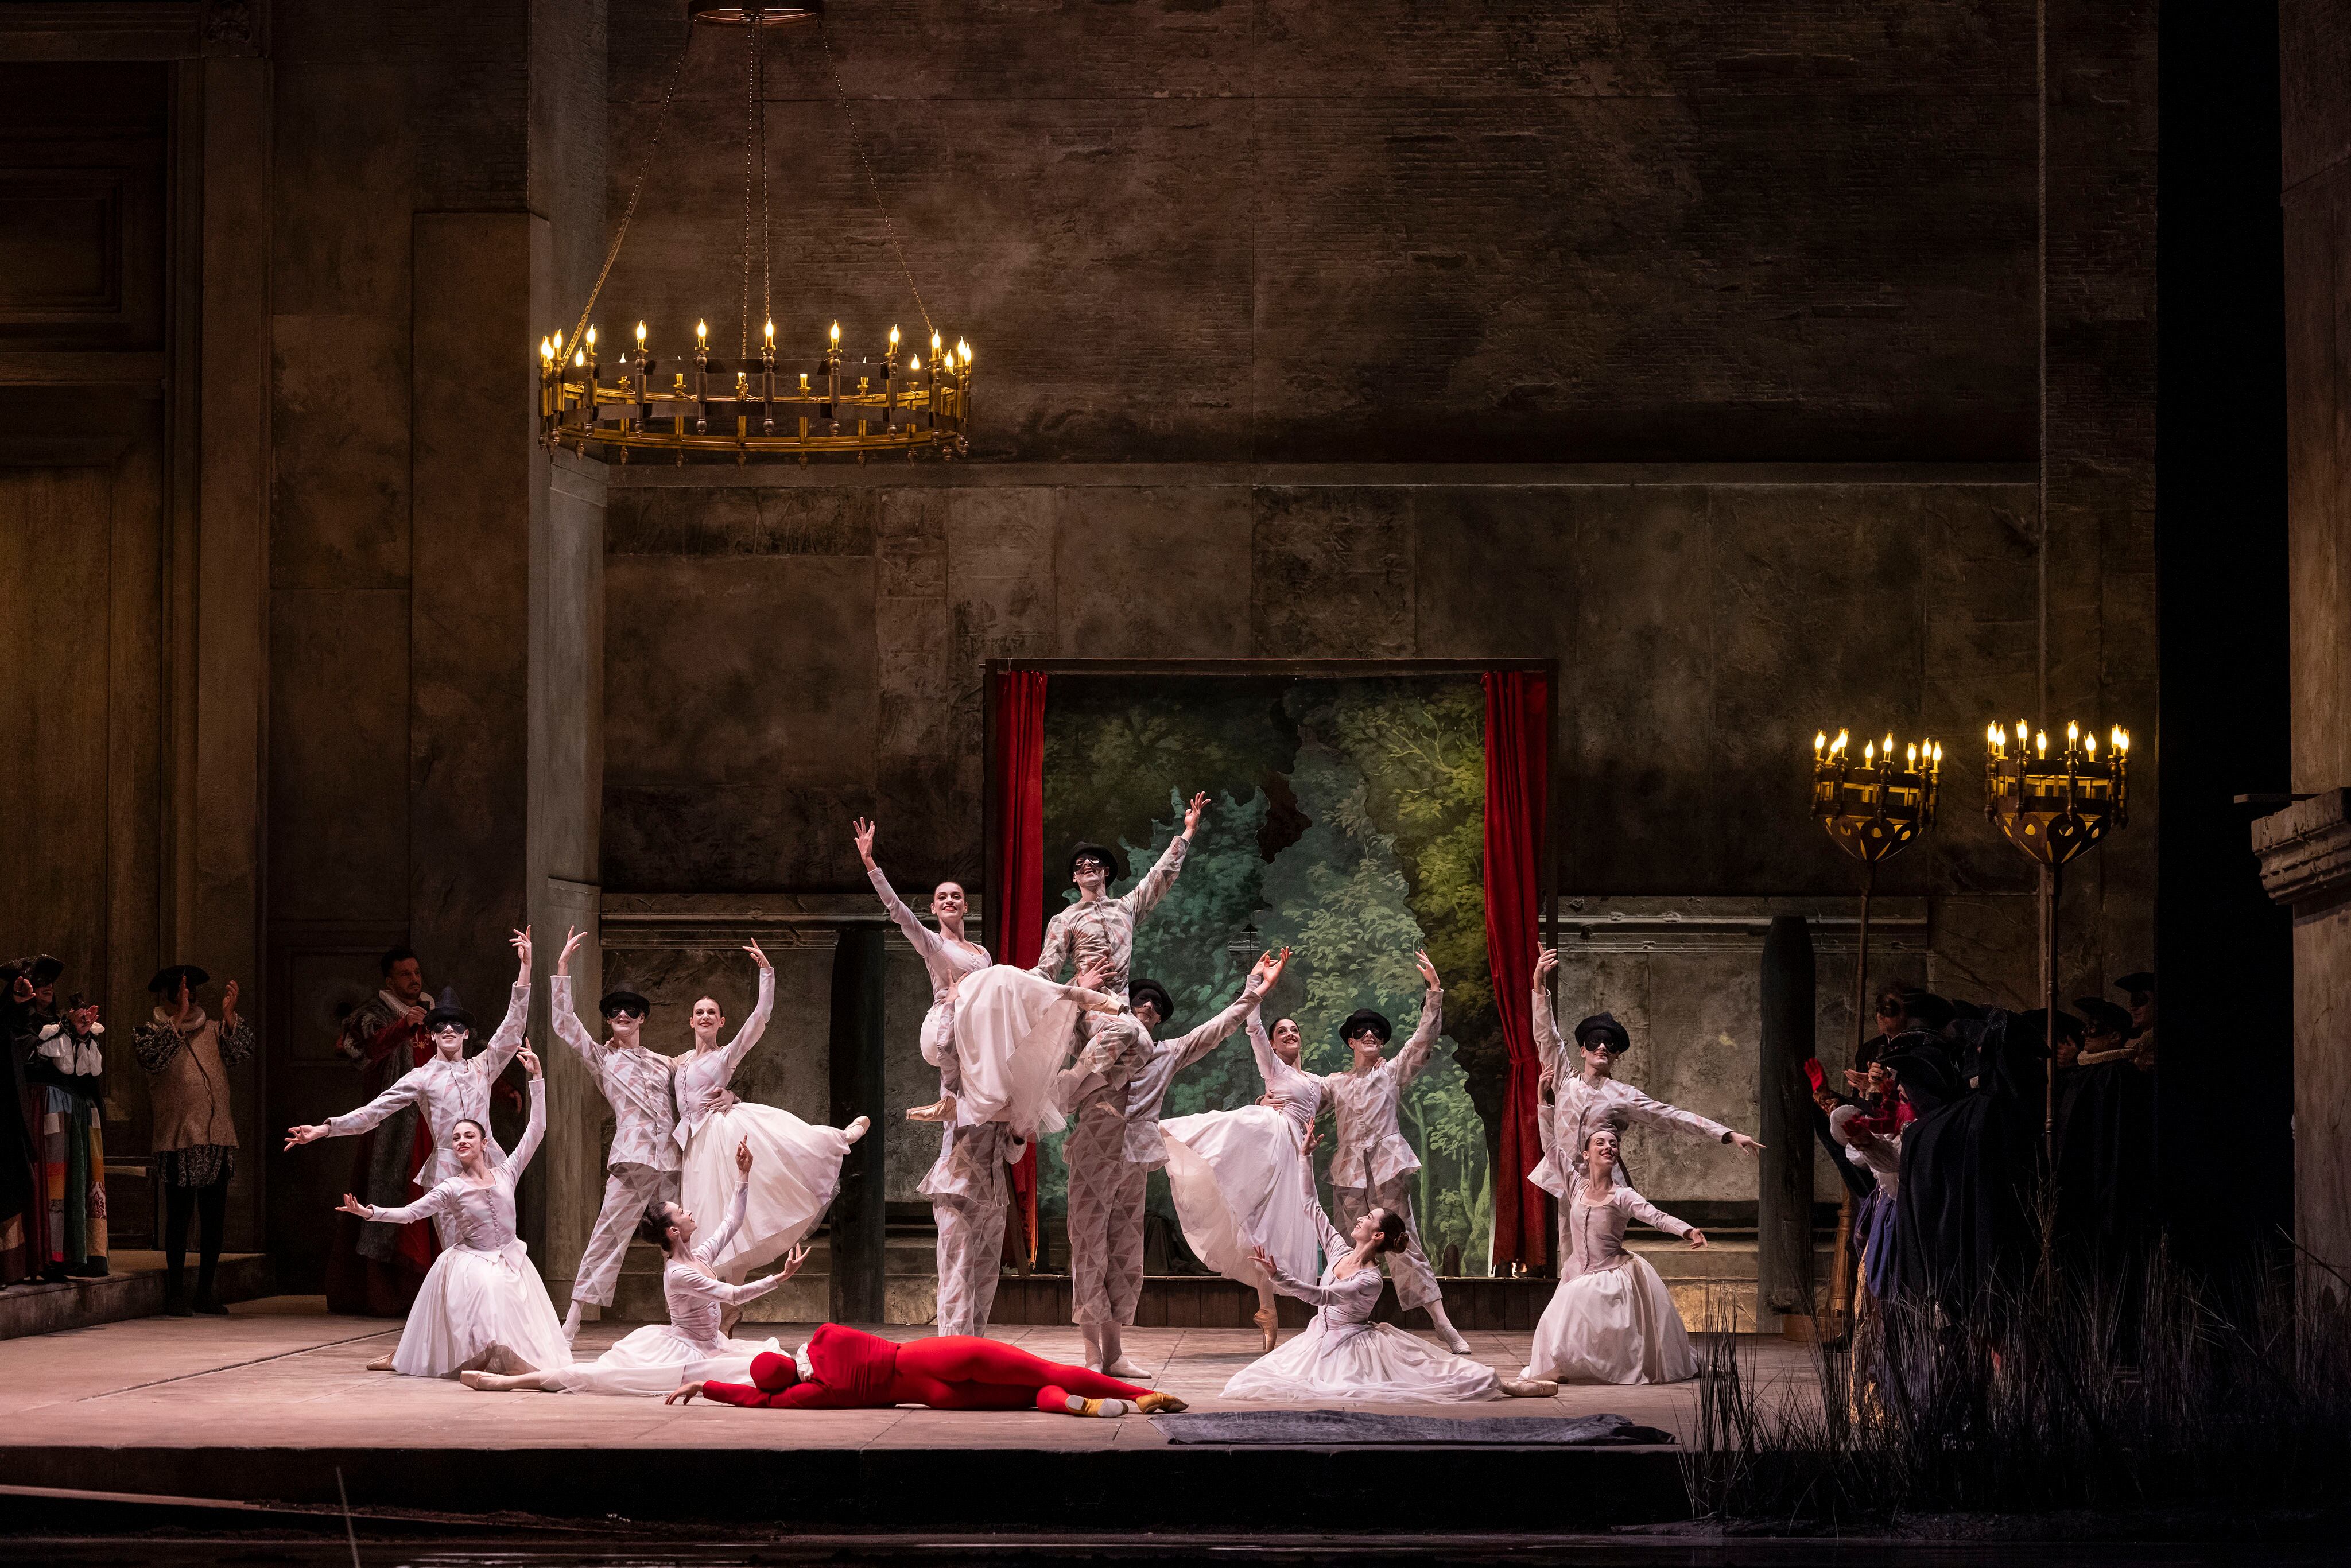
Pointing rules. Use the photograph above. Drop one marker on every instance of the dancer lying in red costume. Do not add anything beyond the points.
(852, 1370)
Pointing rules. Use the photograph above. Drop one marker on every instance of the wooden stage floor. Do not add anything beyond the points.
(265, 1404)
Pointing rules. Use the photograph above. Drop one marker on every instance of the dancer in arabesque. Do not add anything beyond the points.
(481, 1306)
(1242, 1180)
(653, 1360)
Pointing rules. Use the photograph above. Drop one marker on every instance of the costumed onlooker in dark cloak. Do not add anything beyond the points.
(1889, 1015)
(375, 1269)
(191, 1055)
(28, 998)
(2141, 989)
(2105, 1147)
(1965, 1210)
(64, 1064)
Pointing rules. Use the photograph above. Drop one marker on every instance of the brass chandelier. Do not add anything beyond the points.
(763, 401)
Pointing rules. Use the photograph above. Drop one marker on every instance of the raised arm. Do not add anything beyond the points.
(1270, 1067)
(1414, 1057)
(567, 1027)
(717, 1240)
(535, 1132)
(927, 942)
(508, 1034)
(1673, 1118)
(1551, 1046)
(1649, 1214)
(404, 1093)
(757, 1024)
(698, 1275)
(1144, 895)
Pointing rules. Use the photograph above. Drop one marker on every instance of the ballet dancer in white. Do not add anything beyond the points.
(1611, 1320)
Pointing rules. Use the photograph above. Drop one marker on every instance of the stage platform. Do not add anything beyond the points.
(132, 1288)
(266, 1407)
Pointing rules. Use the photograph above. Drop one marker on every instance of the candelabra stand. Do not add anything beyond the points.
(2053, 809)
(1874, 810)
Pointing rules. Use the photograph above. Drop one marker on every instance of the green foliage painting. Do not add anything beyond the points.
(1346, 821)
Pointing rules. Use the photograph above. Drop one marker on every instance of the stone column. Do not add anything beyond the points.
(860, 1229)
(2305, 853)
(1784, 1194)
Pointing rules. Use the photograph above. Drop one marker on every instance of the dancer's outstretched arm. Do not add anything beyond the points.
(442, 1199)
(507, 1037)
(757, 1024)
(1414, 1057)
(535, 1132)
(1144, 895)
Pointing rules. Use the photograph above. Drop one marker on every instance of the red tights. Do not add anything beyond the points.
(952, 1372)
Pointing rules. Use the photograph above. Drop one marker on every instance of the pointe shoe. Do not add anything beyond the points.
(1455, 1343)
(857, 1129)
(487, 1382)
(1154, 1403)
(939, 1110)
(1529, 1387)
(382, 1363)
(1264, 1319)
(1123, 1367)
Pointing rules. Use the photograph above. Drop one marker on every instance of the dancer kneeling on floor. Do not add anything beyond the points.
(849, 1369)
(481, 1306)
(653, 1360)
(1612, 1320)
(1342, 1354)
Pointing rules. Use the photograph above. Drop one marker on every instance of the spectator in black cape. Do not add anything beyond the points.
(2105, 1148)
(27, 1001)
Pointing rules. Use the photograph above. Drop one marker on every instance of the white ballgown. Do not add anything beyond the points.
(1612, 1320)
(1241, 1177)
(654, 1359)
(946, 960)
(1011, 1032)
(481, 1296)
(1342, 1354)
(795, 1169)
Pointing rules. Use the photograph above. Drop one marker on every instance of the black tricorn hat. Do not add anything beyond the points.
(166, 982)
(2032, 1029)
(1141, 991)
(40, 969)
(1923, 1068)
(1931, 1010)
(446, 1011)
(622, 1001)
(1604, 1028)
(1101, 852)
(2137, 985)
(1363, 1018)
(2103, 1017)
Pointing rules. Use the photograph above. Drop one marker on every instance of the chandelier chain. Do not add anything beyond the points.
(841, 93)
(766, 230)
(661, 123)
(750, 157)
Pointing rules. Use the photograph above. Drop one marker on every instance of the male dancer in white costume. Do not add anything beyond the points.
(1115, 1097)
(449, 1088)
(1371, 1163)
(1106, 1189)
(642, 1168)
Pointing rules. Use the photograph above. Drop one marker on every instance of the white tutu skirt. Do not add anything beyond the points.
(1012, 1033)
(1372, 1362)
(1239, 1181)
(1613, 1325)
(795, 1171)
(472, 1302)
(654, 1360)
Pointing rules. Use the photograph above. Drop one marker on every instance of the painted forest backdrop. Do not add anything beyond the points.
(1346, 821)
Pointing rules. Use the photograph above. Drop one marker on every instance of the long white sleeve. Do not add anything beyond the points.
(1673, 1118)
(508, 1039)
(1414, 1057)
(1548, 1044)
(442, 1199)
(718, 1239)
(1649, 1214)
(403, 1092)
(1144, 895)
(532, 1134)
(703, 1282)
(570, 1029)
(753, 1026)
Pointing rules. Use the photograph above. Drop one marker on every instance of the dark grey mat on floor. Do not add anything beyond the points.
(1344, 1426)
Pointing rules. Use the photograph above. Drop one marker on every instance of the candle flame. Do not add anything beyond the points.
(772, 334)
(1820, 741)
(592, 337)
(2091, 742)
(1869, 751)
(1938, 755)
(2121, 738)
(2073, 734)
(579, 356)
(545, 349)
(914, 361)
(701, 330)
(893, 337)
(1911, 759)
(2041, 742)
(836, 334)
(934, 345)
(641, 334)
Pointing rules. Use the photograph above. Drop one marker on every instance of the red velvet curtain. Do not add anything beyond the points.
(1518, 765)
(1016, 909)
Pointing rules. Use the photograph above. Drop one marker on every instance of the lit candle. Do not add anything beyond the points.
(1938, 756)
(1820, 741)
(771, 345)
(2090, 745)
(702, 334)
(1868, 753)
(836, 334)
(1911, 761)
(2041, 743)
(2073, 736)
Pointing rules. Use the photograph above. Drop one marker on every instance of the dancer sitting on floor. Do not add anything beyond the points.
(1342, 1354)
(1242, 1179)
(481, 1306)
(1612, 1320)
(847, 1369)
(653, 1360)
(798, 1165)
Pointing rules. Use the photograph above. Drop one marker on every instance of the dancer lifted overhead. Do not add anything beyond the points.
(654, 1359)
(1371, 1164)
(1342, 1354)
(1611, 1320)
(1242, 1180)
(798, 1165)
(482, 1306)
(1585, 1101)
(642, 1168)
(449, 1088)
(847, 1369)
(1116, 1092)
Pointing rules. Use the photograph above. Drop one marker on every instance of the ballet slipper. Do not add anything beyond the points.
(856, 1130)
(1106, 1407)
(382, 1363)
(1529, 1387)
(1264, 1319)
(941, 1110)
(486, 1382)
(1122, 1368)
(1155, 1404)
